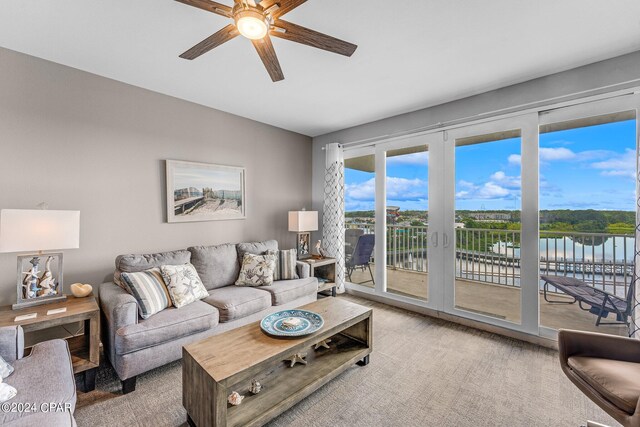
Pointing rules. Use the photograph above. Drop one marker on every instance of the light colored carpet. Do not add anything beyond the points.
(423, 372)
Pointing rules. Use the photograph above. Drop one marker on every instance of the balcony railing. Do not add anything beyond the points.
(605, 261)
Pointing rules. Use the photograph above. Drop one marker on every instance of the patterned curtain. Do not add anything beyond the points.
(634, 326)
(333, 212)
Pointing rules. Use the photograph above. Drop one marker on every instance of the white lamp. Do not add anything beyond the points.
(23, 230)
(302, 222)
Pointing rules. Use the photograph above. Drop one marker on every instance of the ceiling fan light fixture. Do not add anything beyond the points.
(251, 24)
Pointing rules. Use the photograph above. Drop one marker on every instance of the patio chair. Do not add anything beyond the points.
(606, 369)
(594, 300)
(351, 236)
(362, 256)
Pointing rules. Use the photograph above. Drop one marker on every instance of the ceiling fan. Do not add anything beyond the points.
(257, 21)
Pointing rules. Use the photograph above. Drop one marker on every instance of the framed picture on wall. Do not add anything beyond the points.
(204, 192)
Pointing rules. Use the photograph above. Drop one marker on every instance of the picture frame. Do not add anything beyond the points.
(40, 280)
(204, 192)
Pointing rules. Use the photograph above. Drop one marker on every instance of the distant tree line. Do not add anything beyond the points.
(584, 221)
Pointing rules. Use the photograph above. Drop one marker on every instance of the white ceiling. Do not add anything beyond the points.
(412, 53)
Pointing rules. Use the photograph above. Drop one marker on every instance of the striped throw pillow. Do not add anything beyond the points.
(149, 290)
(287, 261)
(276, 270)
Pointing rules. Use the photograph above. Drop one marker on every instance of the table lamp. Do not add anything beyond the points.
(31, 230)
(302, 222)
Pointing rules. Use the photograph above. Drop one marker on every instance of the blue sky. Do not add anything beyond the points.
(585, 168)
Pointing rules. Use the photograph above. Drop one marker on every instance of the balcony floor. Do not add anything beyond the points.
(502, 302)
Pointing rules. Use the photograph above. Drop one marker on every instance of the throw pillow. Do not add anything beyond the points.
(256, 270)
(149, 290)
(276, 270)
(5, 368)
(287, 263)
(184, 284)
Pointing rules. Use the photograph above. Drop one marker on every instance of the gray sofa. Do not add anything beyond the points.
(135, 346)
(44, 377)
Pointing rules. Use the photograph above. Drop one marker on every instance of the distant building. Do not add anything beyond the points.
(186, 193)
(490, 216)
(393, 212)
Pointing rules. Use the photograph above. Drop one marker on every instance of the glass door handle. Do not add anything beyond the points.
(434, 239)
(445, 240)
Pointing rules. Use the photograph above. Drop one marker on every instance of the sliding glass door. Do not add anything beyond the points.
(471, 221)
(489, 177)
(588, 201)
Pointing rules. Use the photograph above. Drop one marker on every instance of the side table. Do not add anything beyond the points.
(84, 349)
(325, 270)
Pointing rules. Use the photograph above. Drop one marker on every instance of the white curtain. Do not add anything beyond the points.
(333, 212)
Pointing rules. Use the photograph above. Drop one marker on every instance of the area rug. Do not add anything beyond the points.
(423, 372)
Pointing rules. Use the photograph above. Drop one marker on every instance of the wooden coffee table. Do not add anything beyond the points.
(215, 367)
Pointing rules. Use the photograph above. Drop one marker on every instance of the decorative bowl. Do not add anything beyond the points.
(292, 323)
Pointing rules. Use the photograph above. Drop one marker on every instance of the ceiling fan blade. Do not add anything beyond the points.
(211, 42)
(303, 35)
(211, 6)
(269, 58)
(284, 6)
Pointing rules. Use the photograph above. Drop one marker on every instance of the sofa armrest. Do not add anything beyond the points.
(11, 343)
(303, 269)
(119, 307)
(592, 344)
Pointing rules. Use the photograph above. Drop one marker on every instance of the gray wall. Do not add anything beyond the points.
(616, 73)
(79, 141)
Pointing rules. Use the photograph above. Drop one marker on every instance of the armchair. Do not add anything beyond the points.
(44, 377)
(606, 369)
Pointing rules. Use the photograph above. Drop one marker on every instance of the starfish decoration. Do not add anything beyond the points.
(296, 358)
(323, 343)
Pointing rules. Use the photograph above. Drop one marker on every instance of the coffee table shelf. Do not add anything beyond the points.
(215, 367)
(284, 386)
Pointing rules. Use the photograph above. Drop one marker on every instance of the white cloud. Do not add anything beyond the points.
(499, 186)
(421, 158)
(506, 180)
(406, 189)
(619, 165)
(555, 154)
(488, 190)
(363, 191)
(402, 189)
(515, 159)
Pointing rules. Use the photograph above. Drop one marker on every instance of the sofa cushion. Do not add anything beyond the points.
(236, 302)
(217, 265)
(168, 325)
(284, 291)
(617, 381)
(256, 248)
(45, 376)
(133, 263)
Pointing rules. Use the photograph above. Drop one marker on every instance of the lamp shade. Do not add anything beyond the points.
(23, 230)
(303, 221)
